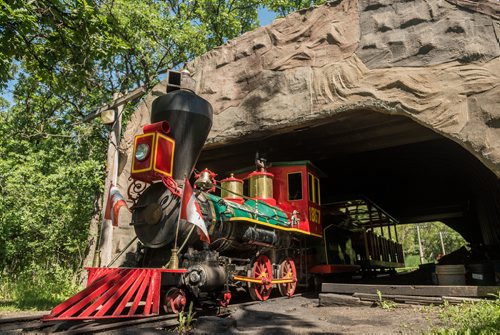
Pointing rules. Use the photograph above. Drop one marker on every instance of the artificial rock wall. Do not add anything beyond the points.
(434, 61)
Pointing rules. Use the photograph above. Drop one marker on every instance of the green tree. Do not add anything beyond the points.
(65, 58)
(431, 240)
(285, 7)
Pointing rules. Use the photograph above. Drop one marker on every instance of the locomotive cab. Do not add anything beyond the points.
(296, 190)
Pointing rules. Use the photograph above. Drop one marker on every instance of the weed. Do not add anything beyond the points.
(385, 304)
(482, 317)
(186, 320)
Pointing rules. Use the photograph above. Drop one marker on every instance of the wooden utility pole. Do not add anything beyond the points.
(104, 247)
(106, 240)
(442, 242)
(421, 251)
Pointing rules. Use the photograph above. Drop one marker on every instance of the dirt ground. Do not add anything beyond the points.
(301, 315)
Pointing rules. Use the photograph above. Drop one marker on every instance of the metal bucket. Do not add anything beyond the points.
(450, 274)
(482, 274)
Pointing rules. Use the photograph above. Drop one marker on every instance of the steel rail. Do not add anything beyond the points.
(11, 325)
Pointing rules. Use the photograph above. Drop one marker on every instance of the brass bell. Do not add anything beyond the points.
(205, 180)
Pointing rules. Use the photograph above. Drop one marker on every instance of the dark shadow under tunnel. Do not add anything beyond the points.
(412, 172)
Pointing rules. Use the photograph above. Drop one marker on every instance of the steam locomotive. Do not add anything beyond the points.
(254, 238)
(264, 226)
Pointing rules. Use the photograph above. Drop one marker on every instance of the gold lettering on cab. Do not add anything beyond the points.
(314, 214)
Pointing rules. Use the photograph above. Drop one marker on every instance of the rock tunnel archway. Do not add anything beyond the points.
(422, 76)
(414, 173)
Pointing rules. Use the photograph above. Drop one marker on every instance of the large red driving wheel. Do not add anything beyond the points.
(175, 300)
(263, 270)
(287, 270)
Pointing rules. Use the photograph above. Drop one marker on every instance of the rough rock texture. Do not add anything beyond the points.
(436, 62)
(422, 33)
(430, 60)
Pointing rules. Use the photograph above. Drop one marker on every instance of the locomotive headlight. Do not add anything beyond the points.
(142, 151)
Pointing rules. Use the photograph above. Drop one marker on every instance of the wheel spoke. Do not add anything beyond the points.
(262, 270)
(287, 271)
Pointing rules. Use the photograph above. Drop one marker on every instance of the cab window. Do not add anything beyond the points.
(311, 187)
(314, 189)
(295, 186)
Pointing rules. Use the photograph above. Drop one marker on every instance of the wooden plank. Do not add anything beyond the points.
(412, 299)
(456, 300)
(416, 290)
(400, 298)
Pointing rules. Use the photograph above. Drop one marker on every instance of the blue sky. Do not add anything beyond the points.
(266, 16)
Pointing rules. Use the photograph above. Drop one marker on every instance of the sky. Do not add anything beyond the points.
(265, 17)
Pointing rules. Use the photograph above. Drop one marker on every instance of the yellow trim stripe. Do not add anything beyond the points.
(248, 279)
(259, 281)
(312, 187)
(319, 192)
(292, 230)
(282, 281)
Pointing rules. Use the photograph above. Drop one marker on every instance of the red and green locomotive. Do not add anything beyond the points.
(259, 228)
(254, 236)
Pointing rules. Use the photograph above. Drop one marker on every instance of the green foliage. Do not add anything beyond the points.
(50, 174)
(470, 318)
(64, 59)
(81, 47)
(285, 7)
(37, 288)
(385, 304)
(186, 320)
(412, 261)
(431, 242)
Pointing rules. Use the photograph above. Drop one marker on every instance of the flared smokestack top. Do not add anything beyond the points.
(190, 119)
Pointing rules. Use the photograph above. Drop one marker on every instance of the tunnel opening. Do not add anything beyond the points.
(427, 242)
(409, 170)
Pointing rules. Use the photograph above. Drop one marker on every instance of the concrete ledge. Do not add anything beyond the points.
(332, 299)
(415, 290)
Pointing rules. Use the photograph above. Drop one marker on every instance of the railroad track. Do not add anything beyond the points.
(8, 325)
(27, 325)
(33, 324)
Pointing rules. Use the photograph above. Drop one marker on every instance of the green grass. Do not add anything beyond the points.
(470, 318)
(407, 269)
(8, 306)
(36, 289)
(412, 261)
